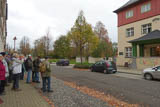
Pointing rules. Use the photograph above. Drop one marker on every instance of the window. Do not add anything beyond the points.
(128, 52)
(147, 28)
(155, 51)
(129, 14)
(99, 63)
(146, 8)
(130, 32)
(120, 53)
(158, 68)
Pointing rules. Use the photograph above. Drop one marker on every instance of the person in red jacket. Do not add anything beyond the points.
(2, 76)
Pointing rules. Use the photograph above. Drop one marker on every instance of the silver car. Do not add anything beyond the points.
(152, 73)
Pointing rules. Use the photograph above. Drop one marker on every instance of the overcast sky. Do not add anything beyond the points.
(32, 18)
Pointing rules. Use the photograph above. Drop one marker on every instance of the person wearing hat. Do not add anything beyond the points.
(46, 77)
(2, 76)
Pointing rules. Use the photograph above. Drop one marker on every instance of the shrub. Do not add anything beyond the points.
(82, 66)
(53, 60)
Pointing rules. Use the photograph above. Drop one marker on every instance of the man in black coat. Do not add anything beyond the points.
(29, 67)
(35, 73)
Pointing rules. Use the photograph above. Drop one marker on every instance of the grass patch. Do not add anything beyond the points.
(72, 61)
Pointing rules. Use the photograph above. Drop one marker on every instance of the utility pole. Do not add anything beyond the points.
(14, 42)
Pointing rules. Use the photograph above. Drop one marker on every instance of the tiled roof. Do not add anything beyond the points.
(130, 2)
(150, 36)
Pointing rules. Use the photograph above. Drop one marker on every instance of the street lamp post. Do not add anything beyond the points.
(14, 42)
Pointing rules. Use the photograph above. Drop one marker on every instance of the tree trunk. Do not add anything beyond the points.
(81, 54)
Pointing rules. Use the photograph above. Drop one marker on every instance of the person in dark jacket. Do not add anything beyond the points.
(2, 76)
(29, 67)
(10, 62)
(35, 72)
(23, 67)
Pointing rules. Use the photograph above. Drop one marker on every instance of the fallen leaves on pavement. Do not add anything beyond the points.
(107, 98)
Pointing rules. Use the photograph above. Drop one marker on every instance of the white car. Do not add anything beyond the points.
(152, 73)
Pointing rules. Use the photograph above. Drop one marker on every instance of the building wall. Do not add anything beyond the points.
(123, 40)
(137, 15)
(146, 62)
(3, 28)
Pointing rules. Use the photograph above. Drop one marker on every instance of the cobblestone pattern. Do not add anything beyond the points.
(28, 97)
(65, 96)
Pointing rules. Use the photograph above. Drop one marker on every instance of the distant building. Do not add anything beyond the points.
(139, 33)
(3, 23)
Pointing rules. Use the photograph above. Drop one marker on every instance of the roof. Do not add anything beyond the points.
(129, 3)
(150, 36)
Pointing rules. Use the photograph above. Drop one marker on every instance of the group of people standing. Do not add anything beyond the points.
(13, 68)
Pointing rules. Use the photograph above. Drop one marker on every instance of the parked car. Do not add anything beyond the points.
(151, 73)
(106, 67)
(63, 62)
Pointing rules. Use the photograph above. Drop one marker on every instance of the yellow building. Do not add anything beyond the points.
(3, 23)
(139, 34)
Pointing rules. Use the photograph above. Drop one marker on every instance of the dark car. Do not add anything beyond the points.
(106, 67)
(63, 62)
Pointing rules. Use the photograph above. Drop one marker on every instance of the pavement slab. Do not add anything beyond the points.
(28, 97)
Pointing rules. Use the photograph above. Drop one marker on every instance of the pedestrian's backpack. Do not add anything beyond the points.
(42, 67)
(29, 62)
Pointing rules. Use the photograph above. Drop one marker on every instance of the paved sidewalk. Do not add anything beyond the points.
(129, 70)
(28, 97)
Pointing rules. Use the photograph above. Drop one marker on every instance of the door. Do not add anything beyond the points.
(98, 66)
(158, 72)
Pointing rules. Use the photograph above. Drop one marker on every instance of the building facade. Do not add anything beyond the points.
(139, 34)
(3, 23)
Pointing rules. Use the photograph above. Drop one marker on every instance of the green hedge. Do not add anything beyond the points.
(53, 60)
(82, 66)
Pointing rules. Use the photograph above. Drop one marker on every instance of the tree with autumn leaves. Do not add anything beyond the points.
(83, 37)
(104, 48)
(62, 47)
(84, 40)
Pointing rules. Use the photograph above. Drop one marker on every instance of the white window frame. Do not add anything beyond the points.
(145, 7)
(129, 14)
(146, 28)
(130, 32)
(128, 52)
